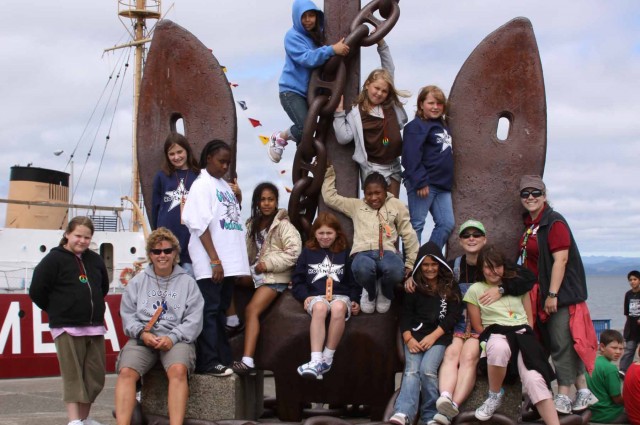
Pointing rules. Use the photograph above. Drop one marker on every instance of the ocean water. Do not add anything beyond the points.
(606, 298)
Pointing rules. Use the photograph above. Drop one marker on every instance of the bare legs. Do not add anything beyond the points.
(336, 325)
(458, 371)
(178, 394)
(394, 187)
(261, 300)
(125, 398)
(77, 410)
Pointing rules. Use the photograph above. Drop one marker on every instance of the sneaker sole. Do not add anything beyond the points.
(483, 419)
(441, 419)
(228, 372)
(311, 376)
(243, 372)
(272, 158)
(446, 408)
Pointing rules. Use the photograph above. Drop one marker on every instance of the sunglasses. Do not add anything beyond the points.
(536, 193)
(474, 234)
(166, 251)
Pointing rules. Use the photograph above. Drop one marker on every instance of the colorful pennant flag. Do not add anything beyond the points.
(288, 189)
(264, 139)
(233, 84)
(242, 104)
(255, 122)
(224, 68)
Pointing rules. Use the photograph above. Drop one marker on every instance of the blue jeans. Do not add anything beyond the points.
(212, 346)
(296, 107)
(420, 378)
(438, 202)
(367, 267)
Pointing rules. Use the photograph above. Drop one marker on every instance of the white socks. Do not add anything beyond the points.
(248, 361)
(327, 355)
(233, 321)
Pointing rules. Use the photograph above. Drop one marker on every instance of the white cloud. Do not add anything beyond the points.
(53, 73)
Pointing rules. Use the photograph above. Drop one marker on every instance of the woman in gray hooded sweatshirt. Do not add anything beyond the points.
(161, 312)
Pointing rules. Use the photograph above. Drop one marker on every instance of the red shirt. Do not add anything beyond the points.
(631, 393)
(559, 239)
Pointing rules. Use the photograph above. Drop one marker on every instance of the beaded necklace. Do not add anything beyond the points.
(523, 248)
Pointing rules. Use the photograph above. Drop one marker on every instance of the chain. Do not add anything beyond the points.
(326, 86)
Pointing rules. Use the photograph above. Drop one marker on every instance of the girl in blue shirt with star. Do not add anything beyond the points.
(170, 190)
(322, 281)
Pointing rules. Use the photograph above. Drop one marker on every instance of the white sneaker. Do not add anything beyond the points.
(562, 403)
(489, 407)
(442, 419)
(367, 306)
(75, 422)
(276, 147)
(584, 399)
(382, 303)
(399, 419)
(446, 406)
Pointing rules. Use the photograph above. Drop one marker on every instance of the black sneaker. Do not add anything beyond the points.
(220, 370)
(241, 368)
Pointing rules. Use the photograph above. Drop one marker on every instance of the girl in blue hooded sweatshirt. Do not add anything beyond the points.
(305, 50)
(427, 159)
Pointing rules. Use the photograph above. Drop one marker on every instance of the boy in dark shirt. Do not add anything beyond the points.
(632, 326)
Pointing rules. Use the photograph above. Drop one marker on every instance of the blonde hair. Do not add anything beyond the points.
(163, 234)
(394, 94)
(437, 93)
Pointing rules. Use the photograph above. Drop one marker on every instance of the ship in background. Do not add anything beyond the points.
(38, 211)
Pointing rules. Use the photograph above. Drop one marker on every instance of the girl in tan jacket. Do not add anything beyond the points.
(378, 220)
(273, 247)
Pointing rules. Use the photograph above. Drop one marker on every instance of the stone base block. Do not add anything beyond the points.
(211, 398)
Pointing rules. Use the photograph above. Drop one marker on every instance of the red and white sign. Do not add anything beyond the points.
(26, 347)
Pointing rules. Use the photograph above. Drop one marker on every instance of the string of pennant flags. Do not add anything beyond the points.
(255, 123)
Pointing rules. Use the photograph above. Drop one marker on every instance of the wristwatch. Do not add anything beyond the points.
(552, 294)
(501, 290)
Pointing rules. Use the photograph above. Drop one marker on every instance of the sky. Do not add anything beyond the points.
(53, 72)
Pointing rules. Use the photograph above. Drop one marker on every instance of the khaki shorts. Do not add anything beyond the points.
(388, 171)
(82, 366)
(142, 358)
(336, 298)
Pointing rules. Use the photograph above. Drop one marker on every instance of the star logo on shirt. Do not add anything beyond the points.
(326, 269)
(444, 139)
(175, 196)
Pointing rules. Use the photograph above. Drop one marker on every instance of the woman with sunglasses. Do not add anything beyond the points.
(161, 312)
(548, 249)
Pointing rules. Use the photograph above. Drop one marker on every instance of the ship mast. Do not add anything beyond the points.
(137, 11)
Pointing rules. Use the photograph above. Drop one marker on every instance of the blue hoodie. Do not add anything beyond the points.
(302, 54)
(427, 155)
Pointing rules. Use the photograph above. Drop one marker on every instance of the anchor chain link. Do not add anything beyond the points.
(326, 86)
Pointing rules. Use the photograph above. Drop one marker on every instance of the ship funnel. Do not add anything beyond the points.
(31, 189)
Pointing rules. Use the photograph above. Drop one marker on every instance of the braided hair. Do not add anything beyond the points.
(210, 149)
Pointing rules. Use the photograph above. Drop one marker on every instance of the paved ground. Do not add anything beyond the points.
(38, 401)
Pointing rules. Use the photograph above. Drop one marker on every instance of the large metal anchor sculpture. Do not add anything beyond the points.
(501, 78)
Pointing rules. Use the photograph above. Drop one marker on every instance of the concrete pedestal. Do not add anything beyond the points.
(211, 398)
